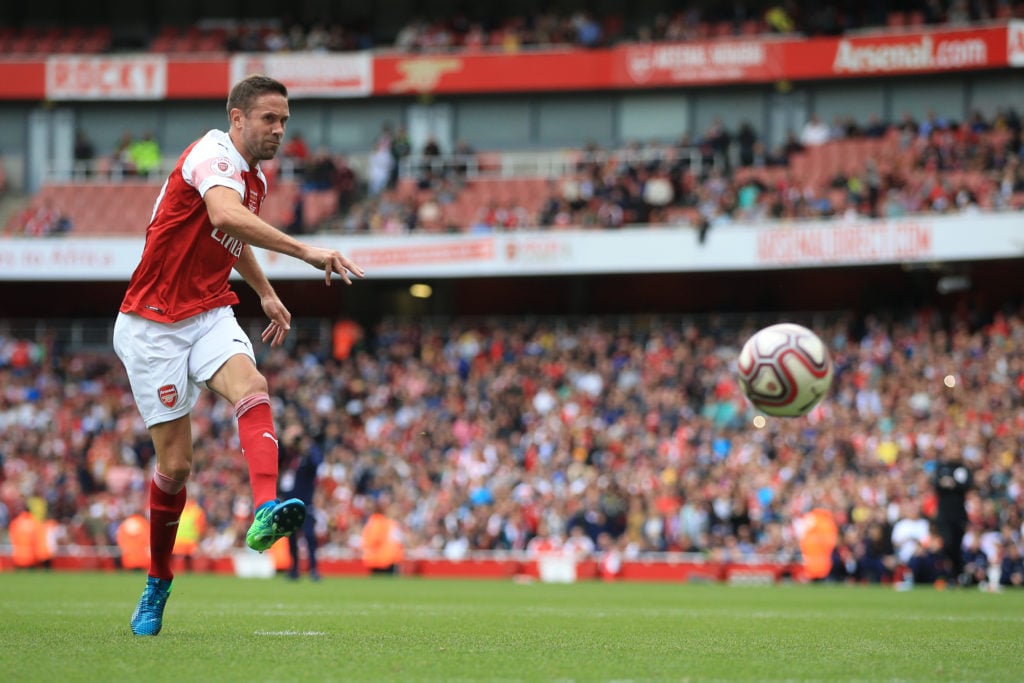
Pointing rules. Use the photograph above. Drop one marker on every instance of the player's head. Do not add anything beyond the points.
(258, 110)
(246, 91)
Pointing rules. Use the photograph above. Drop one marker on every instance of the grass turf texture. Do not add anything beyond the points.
(74, 627)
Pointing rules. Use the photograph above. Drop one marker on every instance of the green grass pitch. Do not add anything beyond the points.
(74, 627)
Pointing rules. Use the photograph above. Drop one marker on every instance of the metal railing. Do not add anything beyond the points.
(490, 164)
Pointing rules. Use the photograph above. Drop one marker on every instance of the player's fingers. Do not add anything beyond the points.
(336, 267)
(268, 332)
(342, 272)
(351, 266)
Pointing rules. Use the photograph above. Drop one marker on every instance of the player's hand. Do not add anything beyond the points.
(331, 261)
(280, 320)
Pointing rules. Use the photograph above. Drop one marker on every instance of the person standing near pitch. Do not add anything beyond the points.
(176, 331)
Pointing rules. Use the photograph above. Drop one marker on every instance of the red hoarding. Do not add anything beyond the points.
(653, 65)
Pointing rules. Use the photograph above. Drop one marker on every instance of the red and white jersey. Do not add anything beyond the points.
(186, 261)
(544, 545)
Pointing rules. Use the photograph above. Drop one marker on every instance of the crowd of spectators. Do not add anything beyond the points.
(507, 29)
(932, 165)
(490, 434)
(45, 219)
(580, 27)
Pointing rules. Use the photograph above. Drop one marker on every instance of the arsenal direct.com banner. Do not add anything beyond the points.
(651, 65)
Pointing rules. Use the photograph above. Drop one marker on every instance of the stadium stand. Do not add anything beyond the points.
(507, 29)
(958, 166)
(487, 431)
(54, 40)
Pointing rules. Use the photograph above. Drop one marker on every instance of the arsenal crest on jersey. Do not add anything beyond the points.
(168, 395)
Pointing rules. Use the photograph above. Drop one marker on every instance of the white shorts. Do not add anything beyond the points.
(169, 363)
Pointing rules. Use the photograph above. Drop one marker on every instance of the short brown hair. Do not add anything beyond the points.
(244, 93)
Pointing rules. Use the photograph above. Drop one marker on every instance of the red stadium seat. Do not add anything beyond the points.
(102, 208)
(488, 162)
(318, 206)
(279, 206)
(752, 27)
(21, 44)
(722, 29)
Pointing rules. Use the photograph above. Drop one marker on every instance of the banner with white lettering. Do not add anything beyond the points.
(311, 74)
(135, 77)
(1015, 43)
(634, 250)
(938, 51)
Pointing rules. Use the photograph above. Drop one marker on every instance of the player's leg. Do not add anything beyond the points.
(223, 359)
(173, 444)
(155, 359)
(240, 382)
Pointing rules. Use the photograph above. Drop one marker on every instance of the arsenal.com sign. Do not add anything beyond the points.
(924, 53)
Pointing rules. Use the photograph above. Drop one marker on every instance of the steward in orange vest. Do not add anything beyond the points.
(133, 541)
(24, 532)
(382, 543)
(818, 539)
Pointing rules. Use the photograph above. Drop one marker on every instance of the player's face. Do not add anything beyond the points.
(263, 129)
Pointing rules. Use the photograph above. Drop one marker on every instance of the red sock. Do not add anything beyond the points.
(164, 513)
(259, 445)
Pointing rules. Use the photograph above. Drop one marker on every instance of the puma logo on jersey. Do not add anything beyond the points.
(270, 436)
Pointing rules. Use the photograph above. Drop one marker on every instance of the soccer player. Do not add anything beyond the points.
(176, 331)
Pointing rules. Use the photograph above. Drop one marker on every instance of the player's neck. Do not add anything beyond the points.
(252, 162)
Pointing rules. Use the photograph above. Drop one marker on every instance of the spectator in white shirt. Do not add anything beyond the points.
(815, 132)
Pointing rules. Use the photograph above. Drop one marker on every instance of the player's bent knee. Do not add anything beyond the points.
(250, 401)
(253, 384)
(173, 480)
(257, 385)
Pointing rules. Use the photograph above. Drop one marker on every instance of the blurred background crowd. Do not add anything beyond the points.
(843, 169)
(628, 435)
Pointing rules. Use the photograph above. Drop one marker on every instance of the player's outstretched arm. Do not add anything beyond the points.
(229, 215)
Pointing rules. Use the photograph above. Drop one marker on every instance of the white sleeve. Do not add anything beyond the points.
(209, 165)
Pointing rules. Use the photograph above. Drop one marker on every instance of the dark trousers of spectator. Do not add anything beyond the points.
(872, 570)
(309, 533)
(929, 567)
(952, 533)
